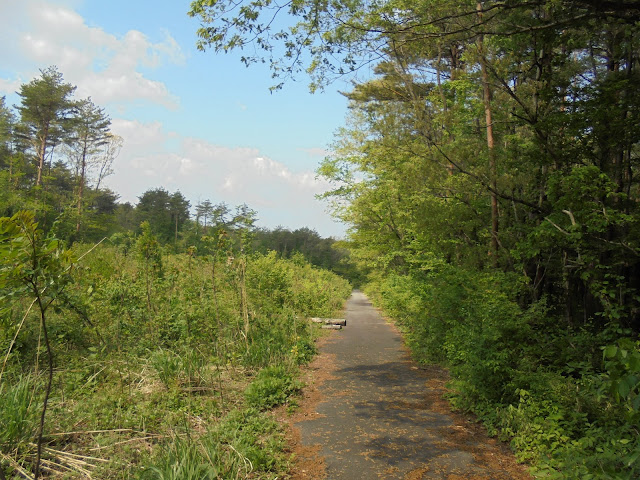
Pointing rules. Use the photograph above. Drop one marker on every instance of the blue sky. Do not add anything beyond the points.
(196, 122)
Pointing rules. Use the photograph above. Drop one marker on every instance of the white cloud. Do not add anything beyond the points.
(315, 152)
(227, 185)
(171, 49)
(104, 66)
(9, 86)
(138, 136)
(202, 170)
(187, 166)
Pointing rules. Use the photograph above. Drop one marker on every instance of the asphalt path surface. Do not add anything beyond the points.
(377, 417)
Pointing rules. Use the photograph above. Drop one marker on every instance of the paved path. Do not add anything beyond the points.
(380, 417)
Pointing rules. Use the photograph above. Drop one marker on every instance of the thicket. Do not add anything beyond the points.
(566, 398)
(152, 364)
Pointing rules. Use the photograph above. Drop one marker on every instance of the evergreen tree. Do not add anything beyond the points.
(46, 112)
(204, 213)
(165, 213)
(179, 207)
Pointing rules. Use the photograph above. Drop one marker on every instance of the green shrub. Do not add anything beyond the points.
(567, 398)
(303, 350)
(622, 364)
(272, 386)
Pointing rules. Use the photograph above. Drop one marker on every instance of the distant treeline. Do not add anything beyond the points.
(55, 152)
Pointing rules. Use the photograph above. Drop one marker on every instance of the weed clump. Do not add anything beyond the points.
(272, 387)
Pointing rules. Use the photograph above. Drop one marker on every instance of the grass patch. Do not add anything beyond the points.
(272, 387)
(246, 443)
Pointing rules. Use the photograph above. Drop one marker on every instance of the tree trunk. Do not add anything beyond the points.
(42, 148)
(175, 240)
(47, 388)
(243, 300)
(83, 170)
(490, 145)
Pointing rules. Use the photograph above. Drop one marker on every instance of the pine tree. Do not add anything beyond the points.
(46, 112)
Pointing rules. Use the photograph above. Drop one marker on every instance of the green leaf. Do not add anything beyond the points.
(610, 351)
(623, 389)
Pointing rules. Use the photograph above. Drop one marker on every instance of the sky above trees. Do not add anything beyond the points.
(196, 122)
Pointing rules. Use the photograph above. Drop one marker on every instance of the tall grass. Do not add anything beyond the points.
(161, 369)
(18, 413)
(244, 444)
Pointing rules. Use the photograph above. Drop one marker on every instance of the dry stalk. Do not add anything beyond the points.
(139, 439)
(55, 467)
(17, 466)
(89, 432)
(80, 458)
(248, 466)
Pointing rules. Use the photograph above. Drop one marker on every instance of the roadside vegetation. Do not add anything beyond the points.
(488, 172)
(566, 398)
(152, 364)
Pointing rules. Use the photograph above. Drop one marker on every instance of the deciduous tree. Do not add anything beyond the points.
(89, 137)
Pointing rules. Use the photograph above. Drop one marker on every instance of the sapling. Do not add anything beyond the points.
(37, 265)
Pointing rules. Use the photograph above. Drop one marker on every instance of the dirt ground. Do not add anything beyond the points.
(369, 412)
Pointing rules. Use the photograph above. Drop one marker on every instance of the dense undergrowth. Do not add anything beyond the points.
(164, 365)
(567, 397)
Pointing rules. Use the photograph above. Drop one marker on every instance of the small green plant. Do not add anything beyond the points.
(272, 386)
(167, 365)
(622, 363)
(303, 350)
(182, 459)
(18, 415)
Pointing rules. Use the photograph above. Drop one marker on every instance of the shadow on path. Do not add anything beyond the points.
(381, 417)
